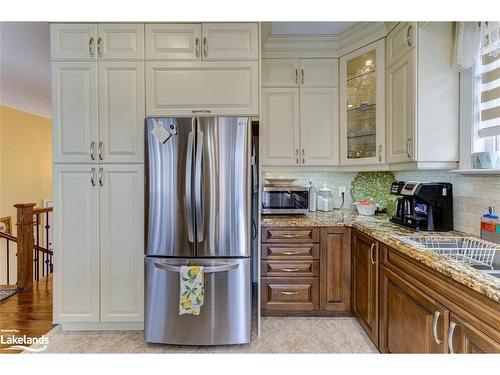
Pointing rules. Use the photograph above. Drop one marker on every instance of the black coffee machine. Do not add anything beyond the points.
(425, 206)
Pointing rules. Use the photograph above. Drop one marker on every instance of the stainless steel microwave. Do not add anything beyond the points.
(285, 200)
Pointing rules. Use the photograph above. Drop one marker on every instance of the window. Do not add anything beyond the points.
(487, 103)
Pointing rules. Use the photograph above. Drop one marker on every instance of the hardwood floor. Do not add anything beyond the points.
(27, 313)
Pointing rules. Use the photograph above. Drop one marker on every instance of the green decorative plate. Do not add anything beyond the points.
(373, 186)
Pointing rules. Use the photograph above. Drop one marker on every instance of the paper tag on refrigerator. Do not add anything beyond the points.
(160, 133)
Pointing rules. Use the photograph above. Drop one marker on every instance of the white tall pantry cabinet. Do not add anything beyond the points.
(98, 96)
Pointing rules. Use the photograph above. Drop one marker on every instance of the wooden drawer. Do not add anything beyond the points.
(290, 293)
(286, 268)
(290, 234)
(306, 251)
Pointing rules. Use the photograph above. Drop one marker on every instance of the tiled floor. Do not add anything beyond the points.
(278, 335)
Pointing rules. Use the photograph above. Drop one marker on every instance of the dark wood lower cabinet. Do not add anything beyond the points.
(365, 256)
(335, 273)
(410, 321)
(466, 339)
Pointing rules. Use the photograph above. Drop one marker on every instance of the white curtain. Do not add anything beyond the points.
(475, 39)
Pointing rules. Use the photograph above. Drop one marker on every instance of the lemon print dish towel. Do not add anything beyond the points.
(191, 290)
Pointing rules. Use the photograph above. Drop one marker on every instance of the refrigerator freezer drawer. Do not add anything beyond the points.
(225, 316)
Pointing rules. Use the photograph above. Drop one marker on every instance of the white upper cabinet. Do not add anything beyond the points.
(186, 88)
(400, 41)
(400, 109)
(319, 126)
(207, 41)
(72, 41)
(121, 112)
(121, 242)
(74, 112)
(79, 42)
(362, 106)
(319, 72)
(76, 241)
(280, 72)
(121, 41)
(173, 41)
(280, 126)
(230, 41)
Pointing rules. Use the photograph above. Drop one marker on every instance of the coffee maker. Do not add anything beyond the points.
(424, 206)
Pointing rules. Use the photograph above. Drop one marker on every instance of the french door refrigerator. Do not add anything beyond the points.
(198, 212)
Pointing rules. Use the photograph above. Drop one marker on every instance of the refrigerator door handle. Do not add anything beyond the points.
(188, 191)
(198, 188)
(211, 269)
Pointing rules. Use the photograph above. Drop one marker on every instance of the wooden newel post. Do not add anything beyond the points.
(25, 243)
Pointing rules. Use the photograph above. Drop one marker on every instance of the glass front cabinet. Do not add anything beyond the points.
(362, 84)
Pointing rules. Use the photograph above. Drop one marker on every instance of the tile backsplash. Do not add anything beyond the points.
(471, 194)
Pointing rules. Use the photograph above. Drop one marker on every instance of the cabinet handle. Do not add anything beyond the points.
(437, 314)
(100, 150)
(451, 331)
(290, 235)
(296, 76)
(408, 38)
(303, 157)
(201, 111)
(290, 252)
(290, 269)
(289, 293)
(92, 150)
(205, 47)
(99, 46)
(380, 153)
(408, 141)
(92, 176)
(297, 155)
(371, 253)
(302, 73)
(197, 47)
(101, 180)
(91, 46)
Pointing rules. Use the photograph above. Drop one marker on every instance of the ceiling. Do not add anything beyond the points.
(309, 28)
(25, 66)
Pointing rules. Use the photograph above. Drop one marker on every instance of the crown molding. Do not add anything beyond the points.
(327, 46)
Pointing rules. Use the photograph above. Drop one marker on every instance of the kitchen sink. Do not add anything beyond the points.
(480, 254)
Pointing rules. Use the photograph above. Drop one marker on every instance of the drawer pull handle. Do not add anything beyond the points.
(290, 269)
(434, 327)
(289, 293)
(290, 252)
(291, 235)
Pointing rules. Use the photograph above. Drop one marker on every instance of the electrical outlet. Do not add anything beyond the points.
(342, 189)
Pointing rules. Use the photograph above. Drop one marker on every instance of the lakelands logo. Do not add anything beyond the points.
(23, 342)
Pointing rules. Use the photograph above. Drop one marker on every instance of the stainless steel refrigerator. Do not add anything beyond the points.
(198, 212)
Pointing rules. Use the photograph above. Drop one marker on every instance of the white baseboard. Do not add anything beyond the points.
(118, 326)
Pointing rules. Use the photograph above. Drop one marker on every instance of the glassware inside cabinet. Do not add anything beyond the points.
(361, 106)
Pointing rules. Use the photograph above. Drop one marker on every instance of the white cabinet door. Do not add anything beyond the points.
(280, 126)
(121, 242)
(121, 112)
(319, 72)
(280, 72)
(74, 112)
(76, 243)
(400, 41)
(73, 41)
(400, 110)
(230, 41)
(319, 126)
(175, 88)
(121, 41)
(173, 41)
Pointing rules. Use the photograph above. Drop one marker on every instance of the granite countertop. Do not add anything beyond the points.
(380, 228)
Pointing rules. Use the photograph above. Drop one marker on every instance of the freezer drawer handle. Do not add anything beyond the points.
(214, 269)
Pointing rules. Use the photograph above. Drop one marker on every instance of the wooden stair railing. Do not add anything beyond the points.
(29, 252)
